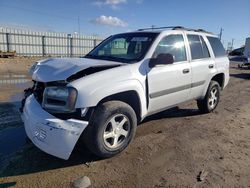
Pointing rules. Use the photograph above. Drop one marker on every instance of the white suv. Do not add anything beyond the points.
(100, 98)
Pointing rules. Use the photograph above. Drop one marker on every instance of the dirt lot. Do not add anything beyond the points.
(17, 64)
(170, 149)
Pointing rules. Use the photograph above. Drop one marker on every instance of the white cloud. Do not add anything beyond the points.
(109, 20)
(112, 3)
(115, 2)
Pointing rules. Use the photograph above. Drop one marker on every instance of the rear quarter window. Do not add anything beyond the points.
(217, 47)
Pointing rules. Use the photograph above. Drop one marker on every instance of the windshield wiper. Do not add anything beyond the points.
(107, 57)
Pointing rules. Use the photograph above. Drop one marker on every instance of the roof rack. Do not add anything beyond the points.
(174, 28)
(156, 28)
(202, 30)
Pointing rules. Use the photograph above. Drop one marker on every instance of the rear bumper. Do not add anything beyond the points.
(52, 135)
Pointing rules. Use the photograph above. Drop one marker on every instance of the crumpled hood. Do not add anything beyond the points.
(55, 69)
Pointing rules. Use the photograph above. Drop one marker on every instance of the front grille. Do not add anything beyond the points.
(38, 91)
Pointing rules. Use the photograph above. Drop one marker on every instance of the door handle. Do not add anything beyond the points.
(211, 66)
(185, 71)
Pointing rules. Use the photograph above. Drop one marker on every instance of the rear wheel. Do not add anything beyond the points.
(211, 100)
(111, 129)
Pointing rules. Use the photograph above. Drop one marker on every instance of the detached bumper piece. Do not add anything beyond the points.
(52, 135)
(27, 92)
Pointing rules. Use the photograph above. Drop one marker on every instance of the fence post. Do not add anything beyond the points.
(8, 42)
(69, 45)
(43, 46)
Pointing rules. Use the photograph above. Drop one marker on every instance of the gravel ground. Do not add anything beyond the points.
(16, 65)
(176, 148)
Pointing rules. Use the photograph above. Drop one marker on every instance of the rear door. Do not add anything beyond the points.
(202, 65)
(169, 85)
(220, 57)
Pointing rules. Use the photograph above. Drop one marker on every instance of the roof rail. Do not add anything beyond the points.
(174, 28)
(155, 28)
(202, 30)
(196, 30)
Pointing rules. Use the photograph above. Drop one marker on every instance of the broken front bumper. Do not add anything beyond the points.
(52, 135)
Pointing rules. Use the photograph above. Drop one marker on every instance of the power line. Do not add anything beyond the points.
(76, 19)
(37, 12)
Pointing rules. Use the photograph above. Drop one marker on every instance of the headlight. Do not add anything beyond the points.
(59, 99)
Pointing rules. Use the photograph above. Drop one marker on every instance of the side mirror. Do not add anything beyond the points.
(161, 59)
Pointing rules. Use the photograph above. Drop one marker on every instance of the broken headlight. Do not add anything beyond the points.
(59, 99)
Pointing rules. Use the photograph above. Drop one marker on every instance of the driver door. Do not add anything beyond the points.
(169, 85)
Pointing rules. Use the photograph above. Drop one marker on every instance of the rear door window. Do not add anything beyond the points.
(204, 48)
(198, 47)
(217, 47)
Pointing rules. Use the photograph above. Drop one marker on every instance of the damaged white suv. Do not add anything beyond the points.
(100, 99)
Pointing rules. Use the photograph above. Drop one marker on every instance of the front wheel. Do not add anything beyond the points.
(211, 100)
(111, 129)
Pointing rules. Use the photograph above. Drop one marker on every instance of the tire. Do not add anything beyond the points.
(210, 101)
(111, 129)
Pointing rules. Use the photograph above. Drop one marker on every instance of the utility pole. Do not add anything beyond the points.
(232, 44)
(78, 20)
(79, 33)
(220, 35)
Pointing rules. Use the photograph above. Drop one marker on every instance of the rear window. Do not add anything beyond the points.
(217, 47)
(198, 47)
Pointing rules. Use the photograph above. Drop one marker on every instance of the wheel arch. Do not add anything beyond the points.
(220, 78)
(131, 97)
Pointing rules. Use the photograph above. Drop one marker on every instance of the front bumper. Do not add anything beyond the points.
(52, 135)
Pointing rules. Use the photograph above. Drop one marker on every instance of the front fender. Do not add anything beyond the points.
(91, 95)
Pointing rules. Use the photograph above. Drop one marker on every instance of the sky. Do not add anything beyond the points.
(106, 17)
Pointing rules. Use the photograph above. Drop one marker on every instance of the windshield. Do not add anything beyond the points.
(127, 47)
